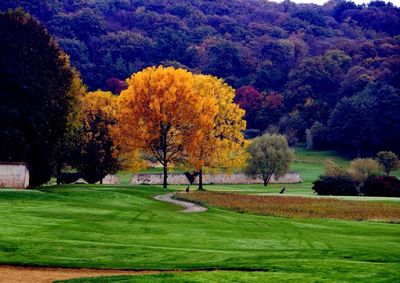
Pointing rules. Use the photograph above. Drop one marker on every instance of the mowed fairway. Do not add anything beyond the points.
(123, 227)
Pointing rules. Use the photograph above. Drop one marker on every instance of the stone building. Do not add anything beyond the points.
(14, 175)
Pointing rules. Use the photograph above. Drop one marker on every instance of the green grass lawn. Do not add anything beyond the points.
(233, 276)
(123, 227)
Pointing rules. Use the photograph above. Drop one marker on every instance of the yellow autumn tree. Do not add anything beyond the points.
(66, 145)
(97, 153)
(223, 146)
(161, 114)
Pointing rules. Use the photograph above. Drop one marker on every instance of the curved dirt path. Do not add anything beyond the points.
(189, 206)
(32, 274)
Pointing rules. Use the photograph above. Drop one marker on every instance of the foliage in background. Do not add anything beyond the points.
(318, 65)
(36, 94)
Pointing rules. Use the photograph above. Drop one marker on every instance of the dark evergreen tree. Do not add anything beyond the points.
(35, 94)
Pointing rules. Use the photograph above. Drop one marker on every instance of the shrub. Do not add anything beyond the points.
(336, 185)
(388, 186)
(362, 168)
(332, 169)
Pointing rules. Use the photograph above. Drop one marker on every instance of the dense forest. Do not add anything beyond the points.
(326, 75)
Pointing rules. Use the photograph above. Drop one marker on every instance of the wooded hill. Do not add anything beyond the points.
(328, 75)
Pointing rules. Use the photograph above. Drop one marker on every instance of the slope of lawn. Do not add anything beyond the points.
(108, 227)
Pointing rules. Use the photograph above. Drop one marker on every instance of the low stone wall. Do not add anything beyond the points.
(14, 175)
(111, 180)
(220, 178)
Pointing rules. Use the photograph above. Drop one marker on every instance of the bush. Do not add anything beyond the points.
(387, 186)
(338, 185)
(362, 168)
(332, 169)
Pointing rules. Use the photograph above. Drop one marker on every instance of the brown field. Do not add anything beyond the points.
(299, 207)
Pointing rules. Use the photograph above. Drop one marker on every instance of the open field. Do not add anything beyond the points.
(298, 207)
(124, 227)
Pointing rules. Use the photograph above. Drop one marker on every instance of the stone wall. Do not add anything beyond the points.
(238, 178)
(14, 175)
(111, 180)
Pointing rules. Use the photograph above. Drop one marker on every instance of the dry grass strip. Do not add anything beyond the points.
(299, 207)
(23, 274)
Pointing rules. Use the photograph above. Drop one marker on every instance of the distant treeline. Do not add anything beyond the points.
(326, 75)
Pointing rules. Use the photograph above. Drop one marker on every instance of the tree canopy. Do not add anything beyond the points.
(161, 114)
(36, 94)
(269, 155)
(97, 154)
(223, 145)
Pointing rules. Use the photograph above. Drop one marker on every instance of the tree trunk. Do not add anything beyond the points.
(201, 180)
(165, 181)
(58, 173)
(267, 178)
(164, 148)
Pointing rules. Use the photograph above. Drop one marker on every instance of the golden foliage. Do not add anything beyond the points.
(105, 105)
(161, 114)
(100, 101)
(223, 145)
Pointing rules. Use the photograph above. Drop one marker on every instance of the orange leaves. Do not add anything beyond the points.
(161, 113)
(179, 117)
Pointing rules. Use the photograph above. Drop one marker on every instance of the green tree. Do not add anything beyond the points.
(389, 160)
(269, 155)
(368, 121)
(35, 94)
